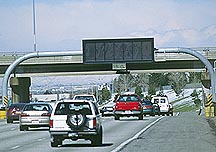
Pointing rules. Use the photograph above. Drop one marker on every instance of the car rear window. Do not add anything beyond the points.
(156, 100)
(163, 101)
(127, 98)
(69, 108)
(36, 107)
(89, 98)
(146, 102)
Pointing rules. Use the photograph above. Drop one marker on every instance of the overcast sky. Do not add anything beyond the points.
(62, 24)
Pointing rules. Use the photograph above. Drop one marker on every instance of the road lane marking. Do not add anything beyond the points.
(15, 147)
(177, 113)
(135, 136)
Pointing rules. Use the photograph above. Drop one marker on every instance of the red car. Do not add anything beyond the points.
(14, 112)
(128, 105)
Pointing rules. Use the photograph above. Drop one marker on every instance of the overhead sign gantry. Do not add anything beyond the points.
(118, 50)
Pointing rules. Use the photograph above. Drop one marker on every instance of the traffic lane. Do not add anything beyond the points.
(15, 139)
(115, 132)
(185, 132)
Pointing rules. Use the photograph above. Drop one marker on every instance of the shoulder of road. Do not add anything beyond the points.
(185, 132)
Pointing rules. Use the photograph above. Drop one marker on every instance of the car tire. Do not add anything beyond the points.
(116, 117)
(56, 142)
(98, 139)
(23, 128)
(9, 121)
(102, 114)
(140, 117)
(76, 120)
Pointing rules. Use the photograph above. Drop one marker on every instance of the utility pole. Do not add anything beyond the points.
(34, 25)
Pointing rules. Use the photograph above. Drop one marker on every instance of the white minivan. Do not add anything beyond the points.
(163, 103)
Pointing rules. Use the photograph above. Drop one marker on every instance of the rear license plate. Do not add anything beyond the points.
(72, 134)
(35, 122)
(128, 112)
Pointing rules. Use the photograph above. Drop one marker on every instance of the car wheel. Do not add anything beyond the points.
(98, 139)
(23, 128)
(140, 117)
(9, 121)
(102, 114)
(76, 120)
(117, 117)
(56, 142)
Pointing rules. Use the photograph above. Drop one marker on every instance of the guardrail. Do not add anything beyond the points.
(6, 58)
(208, 52)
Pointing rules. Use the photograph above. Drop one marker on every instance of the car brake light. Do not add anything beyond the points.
(94, 122)
(46, 114)
(24, 115)
(51, 123)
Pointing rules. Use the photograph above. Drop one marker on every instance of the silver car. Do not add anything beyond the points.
(35, 115)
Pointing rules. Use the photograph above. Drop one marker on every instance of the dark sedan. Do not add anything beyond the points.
(14, 112)
(149, 108)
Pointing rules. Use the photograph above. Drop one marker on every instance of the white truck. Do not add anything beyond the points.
(163, 103)
(75, 119)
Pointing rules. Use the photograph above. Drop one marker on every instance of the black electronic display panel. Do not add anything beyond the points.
(118, 50)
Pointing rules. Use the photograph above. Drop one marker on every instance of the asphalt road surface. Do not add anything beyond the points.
(36, 140)
(186, 132)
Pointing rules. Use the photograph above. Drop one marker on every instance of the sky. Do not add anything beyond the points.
(62, 24)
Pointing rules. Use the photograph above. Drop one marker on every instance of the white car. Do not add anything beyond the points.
(108, 109)
(35, 115)
(163, 103)
(75, 119)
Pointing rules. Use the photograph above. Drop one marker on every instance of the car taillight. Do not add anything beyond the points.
(148, 106)
(46, 114)
(24, 115)
(94, 122)
(51, 123)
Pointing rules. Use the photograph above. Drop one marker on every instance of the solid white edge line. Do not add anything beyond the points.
(135, 136)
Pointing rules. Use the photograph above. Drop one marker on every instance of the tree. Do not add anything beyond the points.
(141, 79)
(195, 98)
(194, 77)
(156, 81)
(105, 94)
(138, 91)
(177, 81)
(123, 82)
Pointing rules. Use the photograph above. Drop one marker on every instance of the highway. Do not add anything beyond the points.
(115, 133)
(181, 132)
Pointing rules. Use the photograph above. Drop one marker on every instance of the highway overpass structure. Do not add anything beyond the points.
(50, 63)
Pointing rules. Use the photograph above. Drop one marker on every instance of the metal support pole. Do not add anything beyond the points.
(201, 58)
(26, 57)
(34, 25)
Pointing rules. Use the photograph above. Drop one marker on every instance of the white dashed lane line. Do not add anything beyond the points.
(15, 147)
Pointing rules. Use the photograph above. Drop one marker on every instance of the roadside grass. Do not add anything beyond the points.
(184, 107)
